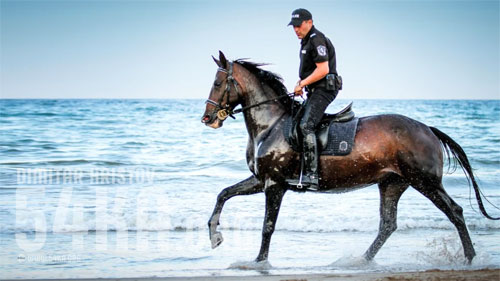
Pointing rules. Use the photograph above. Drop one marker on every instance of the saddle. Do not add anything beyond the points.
(335, 133)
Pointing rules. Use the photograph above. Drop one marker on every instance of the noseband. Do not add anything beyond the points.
(224, 111)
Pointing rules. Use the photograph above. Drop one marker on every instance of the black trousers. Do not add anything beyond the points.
(316, 104)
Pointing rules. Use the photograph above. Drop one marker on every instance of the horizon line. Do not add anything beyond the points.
(167, 98)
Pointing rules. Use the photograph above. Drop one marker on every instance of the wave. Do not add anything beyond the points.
(30, 114)
(27, 146)
(162, 222)
(12, 150)
(487, 162)
(65, 163)
(41, 114)
(134, 143)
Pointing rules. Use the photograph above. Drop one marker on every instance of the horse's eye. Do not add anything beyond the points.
(217, 83)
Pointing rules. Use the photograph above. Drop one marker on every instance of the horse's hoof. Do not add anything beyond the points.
(252, 265)
(353, 262)
(216, 239)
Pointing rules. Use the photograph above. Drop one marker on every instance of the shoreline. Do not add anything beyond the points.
(428, 275)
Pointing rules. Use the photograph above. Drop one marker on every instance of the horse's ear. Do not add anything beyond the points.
(217, 62)
(222, 59)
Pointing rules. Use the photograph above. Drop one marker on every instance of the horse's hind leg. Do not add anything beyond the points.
(391, 190)
(438, 196)
(246, 187)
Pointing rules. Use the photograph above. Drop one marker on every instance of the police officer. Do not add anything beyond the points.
(318, 75)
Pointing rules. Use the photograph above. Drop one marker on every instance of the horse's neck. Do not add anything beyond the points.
(258, 119)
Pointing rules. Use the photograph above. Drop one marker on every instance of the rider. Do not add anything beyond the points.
(318, 75)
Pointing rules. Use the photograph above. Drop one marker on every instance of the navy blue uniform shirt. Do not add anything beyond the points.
(315, 48)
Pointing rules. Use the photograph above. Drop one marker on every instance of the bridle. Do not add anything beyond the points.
(224, 111)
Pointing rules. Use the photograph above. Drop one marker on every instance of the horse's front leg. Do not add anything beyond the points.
(246, 187)
(274, 196)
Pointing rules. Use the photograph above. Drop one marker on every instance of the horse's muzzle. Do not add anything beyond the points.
(207, 119)
(211, 120)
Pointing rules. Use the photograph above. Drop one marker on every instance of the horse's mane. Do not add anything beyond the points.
(273, 80)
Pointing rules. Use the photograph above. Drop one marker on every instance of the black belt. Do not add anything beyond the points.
(318, 84)
(312, 87)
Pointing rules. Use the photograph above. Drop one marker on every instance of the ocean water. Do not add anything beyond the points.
(124, 188)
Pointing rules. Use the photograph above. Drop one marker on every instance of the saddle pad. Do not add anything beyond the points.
(341, 138)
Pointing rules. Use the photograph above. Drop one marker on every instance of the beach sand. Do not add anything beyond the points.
(429, 275)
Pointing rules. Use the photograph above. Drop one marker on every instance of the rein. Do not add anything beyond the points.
(224, 111)
(239, 110)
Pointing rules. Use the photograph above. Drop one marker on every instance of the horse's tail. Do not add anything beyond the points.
(459, 154)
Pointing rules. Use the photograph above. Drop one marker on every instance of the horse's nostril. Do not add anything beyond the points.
(205, 119)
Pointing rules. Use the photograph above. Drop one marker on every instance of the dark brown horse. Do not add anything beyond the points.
(392, 151)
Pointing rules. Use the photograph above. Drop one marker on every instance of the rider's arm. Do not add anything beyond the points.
(319, 73)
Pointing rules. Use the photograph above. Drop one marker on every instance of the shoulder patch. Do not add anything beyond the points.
(321, 50)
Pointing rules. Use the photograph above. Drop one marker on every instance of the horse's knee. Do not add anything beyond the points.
(222, 195)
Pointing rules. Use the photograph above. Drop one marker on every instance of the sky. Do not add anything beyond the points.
(162, 49)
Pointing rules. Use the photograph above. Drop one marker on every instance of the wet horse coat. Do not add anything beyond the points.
(392, 151)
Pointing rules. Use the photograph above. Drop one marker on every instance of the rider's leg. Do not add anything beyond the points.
(315, 107)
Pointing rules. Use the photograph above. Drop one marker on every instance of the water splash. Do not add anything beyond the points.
(443, 251)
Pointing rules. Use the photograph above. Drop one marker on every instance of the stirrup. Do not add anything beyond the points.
(299, 184)
(308, 184)
(296, 182)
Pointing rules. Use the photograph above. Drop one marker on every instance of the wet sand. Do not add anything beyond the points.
(429, 275)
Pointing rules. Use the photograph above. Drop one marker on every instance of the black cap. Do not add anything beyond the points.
(300, 15)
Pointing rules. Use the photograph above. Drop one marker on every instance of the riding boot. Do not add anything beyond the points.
(311, 177)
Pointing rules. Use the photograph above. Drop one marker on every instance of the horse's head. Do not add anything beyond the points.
(224, 95)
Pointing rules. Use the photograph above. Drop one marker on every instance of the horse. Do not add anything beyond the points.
(392, 151)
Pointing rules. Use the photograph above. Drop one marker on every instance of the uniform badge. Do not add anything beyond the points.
(321, 50)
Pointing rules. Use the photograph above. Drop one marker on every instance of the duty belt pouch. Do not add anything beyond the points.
(330, 82)
(338, 82)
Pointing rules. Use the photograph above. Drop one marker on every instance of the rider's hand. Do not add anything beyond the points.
(298, 89)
